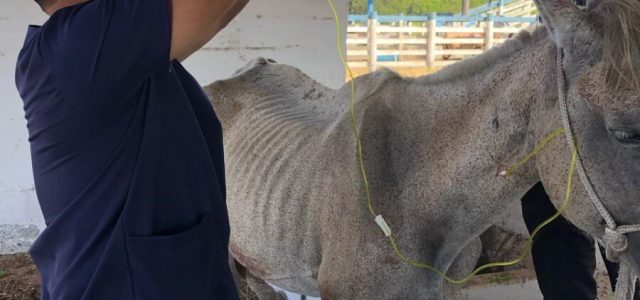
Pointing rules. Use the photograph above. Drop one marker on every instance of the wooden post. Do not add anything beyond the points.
(373, 41)
(431, 40)
(466, 7)
(488, 33)
(401, 26)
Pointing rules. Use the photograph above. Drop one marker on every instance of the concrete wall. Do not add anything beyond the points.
(18, 202)
(297, 32)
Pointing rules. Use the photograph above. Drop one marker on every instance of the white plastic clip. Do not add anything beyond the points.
(383, 225)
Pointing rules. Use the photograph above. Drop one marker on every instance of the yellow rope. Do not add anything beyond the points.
(508, 172)
(535, 151)
(352, 102)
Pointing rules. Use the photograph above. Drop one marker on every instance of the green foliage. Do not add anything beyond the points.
(412, 7)
(2, 273)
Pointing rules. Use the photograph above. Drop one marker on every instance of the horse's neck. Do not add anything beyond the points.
(492, 118)
(468, 131)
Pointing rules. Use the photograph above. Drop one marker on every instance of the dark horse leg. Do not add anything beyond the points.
(563, 256)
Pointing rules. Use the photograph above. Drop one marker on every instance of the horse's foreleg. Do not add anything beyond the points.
(262, 289)
(462, 266)
(259, 287)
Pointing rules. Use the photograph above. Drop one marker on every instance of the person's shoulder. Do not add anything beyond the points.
(74, 19)
(30, 51)
(31, 38)
(62, 19)
(66, 32)
(37, 43)
(39, 36)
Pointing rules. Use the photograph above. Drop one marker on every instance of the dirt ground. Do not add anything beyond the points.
(19, 278)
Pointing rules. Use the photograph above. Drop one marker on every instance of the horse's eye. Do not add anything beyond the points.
(626, 137)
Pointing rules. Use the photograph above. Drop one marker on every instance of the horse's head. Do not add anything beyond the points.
(602, 75)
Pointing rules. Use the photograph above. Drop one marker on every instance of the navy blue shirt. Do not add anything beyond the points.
(127, 158)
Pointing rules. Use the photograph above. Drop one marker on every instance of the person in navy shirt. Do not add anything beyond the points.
(126, 149)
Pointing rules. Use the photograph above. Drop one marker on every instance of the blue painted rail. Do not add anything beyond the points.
(491, 5)
(440, 18)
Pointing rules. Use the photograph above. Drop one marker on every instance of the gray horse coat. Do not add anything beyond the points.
(433, 147)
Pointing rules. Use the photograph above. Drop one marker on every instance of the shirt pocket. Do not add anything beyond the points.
(188, 265)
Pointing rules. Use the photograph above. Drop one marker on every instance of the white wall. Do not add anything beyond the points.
(297, 32)
(18, 203)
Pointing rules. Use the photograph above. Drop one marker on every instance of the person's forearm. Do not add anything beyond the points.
(233, 11)
(195, 22)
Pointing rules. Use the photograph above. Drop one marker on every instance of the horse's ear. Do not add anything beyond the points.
(562, 18)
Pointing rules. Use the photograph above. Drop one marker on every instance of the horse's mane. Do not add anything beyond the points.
(474, 65)
(620, 30)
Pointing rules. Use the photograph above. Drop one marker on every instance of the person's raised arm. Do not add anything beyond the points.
(195, 22)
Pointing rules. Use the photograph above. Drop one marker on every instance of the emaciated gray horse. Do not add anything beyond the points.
(434, 148)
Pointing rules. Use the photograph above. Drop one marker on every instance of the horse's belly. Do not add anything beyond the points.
(275, 172)
(274, 233)
(278, 264)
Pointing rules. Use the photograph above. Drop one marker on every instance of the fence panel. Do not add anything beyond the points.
(432, 41)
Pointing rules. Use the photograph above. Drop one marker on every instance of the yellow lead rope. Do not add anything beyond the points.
(508, 172)
(354, 125)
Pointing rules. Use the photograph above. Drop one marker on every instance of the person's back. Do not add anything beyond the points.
(127, 156)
